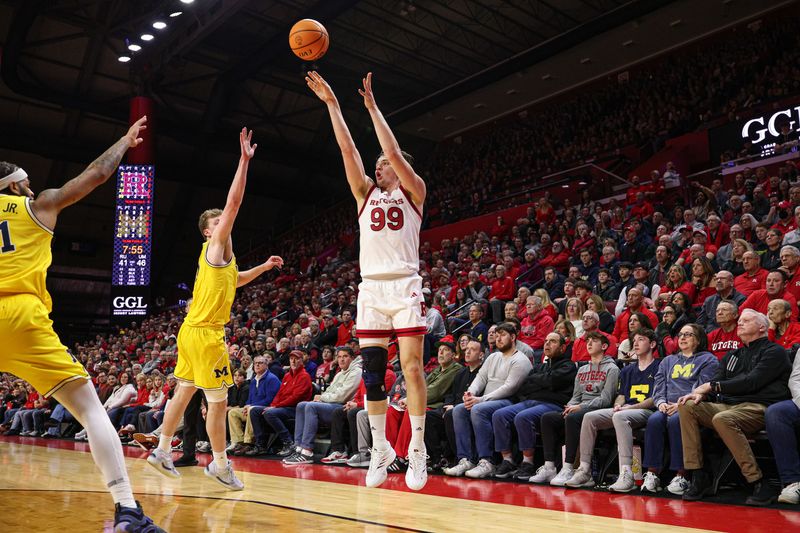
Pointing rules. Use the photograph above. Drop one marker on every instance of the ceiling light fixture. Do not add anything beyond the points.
(187, 1)
(133, 47)
(124, 59)
(159, 24)
(175, 14)
(147, 37)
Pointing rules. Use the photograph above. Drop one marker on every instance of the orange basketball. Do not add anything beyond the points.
(309, 40)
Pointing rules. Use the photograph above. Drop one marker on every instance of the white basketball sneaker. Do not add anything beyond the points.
(417, 473)
(378, 462)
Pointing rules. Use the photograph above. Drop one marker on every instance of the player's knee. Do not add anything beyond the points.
(374, 360)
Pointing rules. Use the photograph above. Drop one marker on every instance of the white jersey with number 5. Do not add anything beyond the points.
(389, 224)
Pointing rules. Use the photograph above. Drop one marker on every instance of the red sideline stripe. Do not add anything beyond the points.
(373, 333)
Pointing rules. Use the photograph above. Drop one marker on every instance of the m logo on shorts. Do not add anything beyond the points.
(219, 372)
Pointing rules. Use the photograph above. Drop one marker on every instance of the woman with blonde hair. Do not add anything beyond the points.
(676, 282)
(573, 312)
(567, 330)
(548, 307)
(736, 264)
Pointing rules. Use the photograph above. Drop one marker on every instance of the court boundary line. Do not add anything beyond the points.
(285, 507)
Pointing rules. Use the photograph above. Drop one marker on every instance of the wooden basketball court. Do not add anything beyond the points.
(55, 486)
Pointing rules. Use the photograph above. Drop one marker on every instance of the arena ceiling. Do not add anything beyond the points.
(222, 64)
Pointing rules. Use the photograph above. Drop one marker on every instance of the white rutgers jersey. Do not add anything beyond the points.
(389, 225)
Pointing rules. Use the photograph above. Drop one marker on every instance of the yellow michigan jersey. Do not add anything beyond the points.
(31, 349)
(202, 353)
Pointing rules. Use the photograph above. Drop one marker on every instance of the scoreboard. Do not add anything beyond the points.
(133, 230)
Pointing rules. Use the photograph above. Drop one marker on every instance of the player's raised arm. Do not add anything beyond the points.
(247, 276)
(353, 166)
(218, 251)
(408, 178)
(50, 202)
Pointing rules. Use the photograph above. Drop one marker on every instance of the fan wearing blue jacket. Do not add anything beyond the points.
(677, 376)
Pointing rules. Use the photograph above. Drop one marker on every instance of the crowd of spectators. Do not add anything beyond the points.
(676, 315)
(668, 97)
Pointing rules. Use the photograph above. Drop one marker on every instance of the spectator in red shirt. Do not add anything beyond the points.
(754, 277)
(634, 305)
(641, 208)
(499, 230)
(782, 329)
(776, 290)
(502, 292)
(557, 258)
(718, 231)
(790, 260)
(591, 323)
(725, 338)
(536, 326)
(345, 331)
(295, 387)
(786, 222)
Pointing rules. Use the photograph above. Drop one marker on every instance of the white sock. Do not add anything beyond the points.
(377, 426)
(550, 465)
(526, 459)
(221, 459)
(417, 432)
(586, 467)
(626, 467)
(307, 453)
(165, 443)
(104, 443)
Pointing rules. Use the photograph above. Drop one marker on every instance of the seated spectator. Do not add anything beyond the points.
(344, 426)
(723, 285)
(437, 384)
(754, 277)
(730, 255)
(499, 378)
(606, 287)
(733, 403)
(659, 267)
(501, 293)
(477, 327)
(793, 236)
(775, 289)
(476, 290)
(547, 388)
(782, 330)
(590, 324)
(526, 350)
(439, 422)
(771, 258)
(131, 411)
(676, 282)
(634, 305)
(790, 263)
(573, 312)
(530, 273)
(631, 410)
(553, 282)
(548, 306)
(594, 388)
(642, 280)
(588, 267)
(296, 387)
(636, 322)
(308, 415)
(434, 324)
(123, 394)
(596, 304)
(677, 375)
(782, 420)
(703, 279)
(263, 388)
(725, 338)
(535, 327)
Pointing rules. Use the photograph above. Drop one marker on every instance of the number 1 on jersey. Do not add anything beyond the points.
(5, 238)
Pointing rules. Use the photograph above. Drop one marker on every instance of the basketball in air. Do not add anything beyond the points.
(309, 40)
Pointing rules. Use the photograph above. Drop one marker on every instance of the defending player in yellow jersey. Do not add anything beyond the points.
(31, 349)
(202, 354)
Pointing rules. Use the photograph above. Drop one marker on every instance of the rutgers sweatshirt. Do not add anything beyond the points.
(596, 384)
